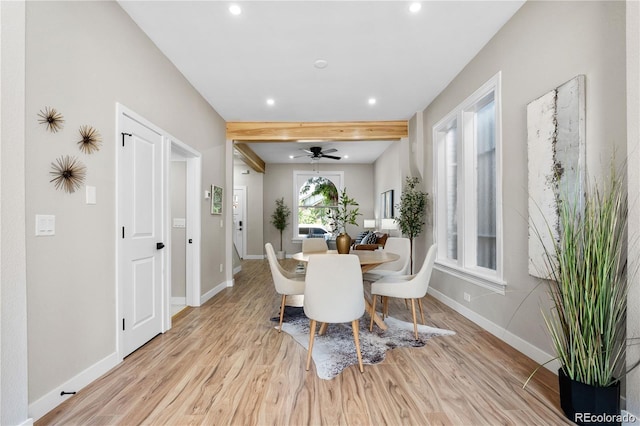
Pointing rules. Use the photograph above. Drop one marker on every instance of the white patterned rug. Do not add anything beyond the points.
(335, 350)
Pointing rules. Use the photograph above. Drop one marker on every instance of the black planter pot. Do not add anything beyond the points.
(589, 405)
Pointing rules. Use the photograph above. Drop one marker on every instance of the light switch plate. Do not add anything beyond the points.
(179, 222)
(90, 194)
(45, 225)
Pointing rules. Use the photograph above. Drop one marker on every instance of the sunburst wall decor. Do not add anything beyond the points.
(91, 140)
(51, 118)
(68, 173)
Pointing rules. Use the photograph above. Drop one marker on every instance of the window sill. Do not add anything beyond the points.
(474, 277)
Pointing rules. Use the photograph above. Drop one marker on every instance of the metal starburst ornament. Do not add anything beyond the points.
(68, 173)
(52, 118)
(91, 140)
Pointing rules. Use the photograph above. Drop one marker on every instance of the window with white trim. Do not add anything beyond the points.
(315, 196)
(468, 225)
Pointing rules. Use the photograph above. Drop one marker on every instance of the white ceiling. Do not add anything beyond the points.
(373, 49)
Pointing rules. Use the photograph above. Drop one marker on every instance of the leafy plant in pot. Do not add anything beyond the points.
(412, 208)
(280, 219)
(588, 288)
(342, 216)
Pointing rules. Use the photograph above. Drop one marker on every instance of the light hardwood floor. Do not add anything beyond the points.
(224, 363)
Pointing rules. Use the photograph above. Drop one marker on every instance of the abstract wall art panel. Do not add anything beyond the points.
(556, 163)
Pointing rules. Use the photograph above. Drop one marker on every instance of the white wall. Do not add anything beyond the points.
(13, 300)
(542, 46)
(82, 58)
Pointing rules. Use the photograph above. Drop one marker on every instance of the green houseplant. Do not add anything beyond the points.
(280, 219)
(412, 209)
(587, 283)
(343, 215)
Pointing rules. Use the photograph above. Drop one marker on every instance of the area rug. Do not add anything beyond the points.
(335, 350)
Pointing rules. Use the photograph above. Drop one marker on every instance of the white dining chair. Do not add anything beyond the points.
(334, 294)
(286, 283)
(314, 244)
(406, 287)
(401, 247)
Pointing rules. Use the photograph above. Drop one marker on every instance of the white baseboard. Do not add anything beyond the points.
(501, 333)
(217, 289)
(237, 269)
(254, 257)
(178, 300)
(51, 400)
(28, 422)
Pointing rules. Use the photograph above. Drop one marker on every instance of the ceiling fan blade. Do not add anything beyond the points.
(333, 157)
(306, 150)
(301, 155)
(330, 150)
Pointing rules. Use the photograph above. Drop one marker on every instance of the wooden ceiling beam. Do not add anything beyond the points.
(252, 159)
(330, 131)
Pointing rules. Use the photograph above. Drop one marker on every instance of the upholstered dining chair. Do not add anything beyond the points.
(399, 246)
(286, 283)
(334, 294)
(314, 244)
(406, 287)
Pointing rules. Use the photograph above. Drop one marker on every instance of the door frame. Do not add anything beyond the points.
(242, 188)
(194, 171)
(193, 161)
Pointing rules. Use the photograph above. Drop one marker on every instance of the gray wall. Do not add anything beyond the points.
(542, 46)
(633, 182)
(278, 182)
(82, 58)
(177, 193)
(386, 177)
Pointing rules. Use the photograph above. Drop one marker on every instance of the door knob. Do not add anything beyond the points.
(159, 246)
(190, 241)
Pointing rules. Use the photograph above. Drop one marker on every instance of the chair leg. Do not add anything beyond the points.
(415, 322)
(355, 325)
(373, 312)
(312, 334)
(284, 297)
(421, 312)
(406, 303)
(385, 307)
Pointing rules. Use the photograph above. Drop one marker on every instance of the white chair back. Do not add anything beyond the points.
(401, 247)
(310, 245)
(422, 278)
(333, 291)
(283, 284)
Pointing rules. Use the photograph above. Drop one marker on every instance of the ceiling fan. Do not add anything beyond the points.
(316, 153)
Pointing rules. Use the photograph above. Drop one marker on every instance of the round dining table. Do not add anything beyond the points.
(369, 259)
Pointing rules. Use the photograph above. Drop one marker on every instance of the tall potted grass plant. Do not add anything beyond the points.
(280, 219)
(588, 288)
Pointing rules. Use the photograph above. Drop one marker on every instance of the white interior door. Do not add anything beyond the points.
(140, 207)
(239, 219)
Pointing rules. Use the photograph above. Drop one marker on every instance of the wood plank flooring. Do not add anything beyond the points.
(225, 364)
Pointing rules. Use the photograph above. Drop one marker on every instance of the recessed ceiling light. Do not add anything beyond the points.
(270, 102)
(372, 101)
(235, 9)
(291, 156)
(346, 156)
(320, 63)
(415, 7)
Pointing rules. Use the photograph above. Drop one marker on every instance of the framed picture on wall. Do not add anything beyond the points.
(386, 204)
(216, 199)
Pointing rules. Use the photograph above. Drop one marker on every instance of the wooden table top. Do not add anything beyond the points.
(367, 257)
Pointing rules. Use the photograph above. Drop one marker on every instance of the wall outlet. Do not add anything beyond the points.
(467, 297)
(221, 267)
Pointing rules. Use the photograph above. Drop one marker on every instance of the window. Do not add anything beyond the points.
(468, 197)
(316, 195)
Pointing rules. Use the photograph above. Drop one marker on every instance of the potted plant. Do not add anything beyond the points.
(342, 216)
(412, 208)
(279, 219)
(588, 288)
